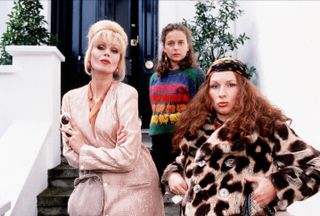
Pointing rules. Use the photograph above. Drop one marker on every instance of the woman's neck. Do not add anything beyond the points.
(99, 87)
(174, 65)
(219, 121)
(222, 118)
(174, 68)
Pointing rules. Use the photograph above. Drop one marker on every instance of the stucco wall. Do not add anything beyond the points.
(284, 47)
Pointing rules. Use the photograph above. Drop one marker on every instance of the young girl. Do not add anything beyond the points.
(105, 134)
(175, 82)
(238, 155)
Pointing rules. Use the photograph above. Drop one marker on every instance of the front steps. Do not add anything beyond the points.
(54, 199)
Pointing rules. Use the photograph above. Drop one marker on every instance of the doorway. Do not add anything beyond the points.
(70, 21)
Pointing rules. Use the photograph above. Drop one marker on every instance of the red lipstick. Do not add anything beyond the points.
(223, 104)
(105, 61)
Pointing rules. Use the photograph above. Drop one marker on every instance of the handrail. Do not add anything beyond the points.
(7, 69)
(32, 133)
(4, 207)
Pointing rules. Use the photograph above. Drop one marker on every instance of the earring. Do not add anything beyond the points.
(116, 74)
(166, 60)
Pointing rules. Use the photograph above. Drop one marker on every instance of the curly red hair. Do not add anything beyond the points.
(252, 112)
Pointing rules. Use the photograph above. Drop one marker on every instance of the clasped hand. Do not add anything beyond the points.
(263, 194)
(264, 191)
(75, 139)
(73, 135)
(177, 184)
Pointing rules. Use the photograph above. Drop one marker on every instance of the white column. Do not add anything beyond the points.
(33, 91)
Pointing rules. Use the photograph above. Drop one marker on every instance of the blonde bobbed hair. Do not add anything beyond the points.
(112, 32)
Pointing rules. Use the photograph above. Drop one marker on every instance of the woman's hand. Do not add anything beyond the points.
(264, 191)
(177, 184)
(75, 139)
(122, 135)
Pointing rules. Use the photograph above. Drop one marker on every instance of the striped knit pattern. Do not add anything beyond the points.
(169, 96)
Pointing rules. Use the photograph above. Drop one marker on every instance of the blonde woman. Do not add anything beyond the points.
(105, 134)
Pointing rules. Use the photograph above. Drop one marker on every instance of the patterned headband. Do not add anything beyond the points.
(229, 64)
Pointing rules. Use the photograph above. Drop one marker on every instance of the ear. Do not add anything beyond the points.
(164, 48)
(164, 51)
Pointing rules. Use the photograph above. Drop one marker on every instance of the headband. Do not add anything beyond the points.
(229, 64)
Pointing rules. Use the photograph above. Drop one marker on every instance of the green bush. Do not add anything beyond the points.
(210, 28)
(25, 27)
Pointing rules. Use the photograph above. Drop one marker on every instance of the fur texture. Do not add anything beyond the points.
(214, 170)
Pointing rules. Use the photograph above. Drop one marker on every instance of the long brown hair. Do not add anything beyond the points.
(189, 60)
(252, 112)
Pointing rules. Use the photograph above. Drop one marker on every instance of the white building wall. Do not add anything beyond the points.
(30, 99)
(284, 47)
(5, 10)
(174, 11)
(6, 7)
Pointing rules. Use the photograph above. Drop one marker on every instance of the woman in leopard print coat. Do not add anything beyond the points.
(237, 151)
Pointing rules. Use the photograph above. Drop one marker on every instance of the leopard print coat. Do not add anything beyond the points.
(214, 170)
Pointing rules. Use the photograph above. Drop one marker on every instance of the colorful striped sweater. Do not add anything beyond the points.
(169, 96)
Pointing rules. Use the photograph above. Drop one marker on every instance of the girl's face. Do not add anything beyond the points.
(176, 47)
(224, 90)
(105, 57)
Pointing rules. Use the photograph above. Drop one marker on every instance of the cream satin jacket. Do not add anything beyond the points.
(130, 178)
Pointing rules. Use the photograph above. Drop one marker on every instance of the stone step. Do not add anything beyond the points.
(65, 183)
(53, 211)
(54, 197)
(146, 139)
(172, 210)
(63, 171)
(62, 176)
(63, 160)
(53, 201)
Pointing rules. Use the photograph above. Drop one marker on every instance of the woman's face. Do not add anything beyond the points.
(223, 90)
(105, 57)
(176, 47)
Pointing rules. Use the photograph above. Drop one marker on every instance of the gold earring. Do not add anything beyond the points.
(166, 58)
(116, 74)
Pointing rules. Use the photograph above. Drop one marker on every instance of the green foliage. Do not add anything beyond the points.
(25, 27)
(210, 28)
